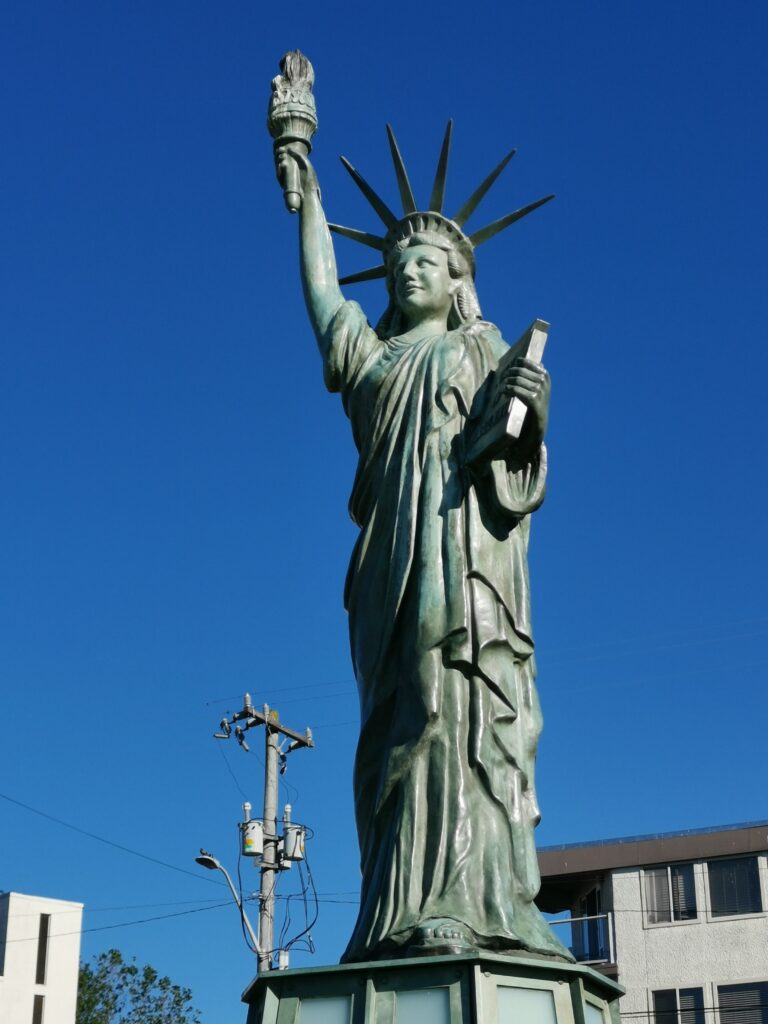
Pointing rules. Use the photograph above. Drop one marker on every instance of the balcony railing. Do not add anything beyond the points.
(590, 939)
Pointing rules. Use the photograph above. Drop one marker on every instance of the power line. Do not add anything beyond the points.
(636, 910)
(669, 1014)
(145, 906)
(325, 696)
(712, 633)
(108, 842)
(211, 905)
(290, 689)
(125, 924)
(100, 910)
(158, 917)
(334, 725)
(707, 629)
(231, 771)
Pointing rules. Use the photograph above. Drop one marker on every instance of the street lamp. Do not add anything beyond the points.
(207, 860)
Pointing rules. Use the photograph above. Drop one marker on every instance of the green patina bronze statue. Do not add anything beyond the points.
(437, 590)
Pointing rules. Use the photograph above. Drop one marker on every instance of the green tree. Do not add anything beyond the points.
(114, 991)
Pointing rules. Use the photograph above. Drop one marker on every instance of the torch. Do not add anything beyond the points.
(292, 117)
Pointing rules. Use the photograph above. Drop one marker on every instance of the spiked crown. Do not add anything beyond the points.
(431, 220)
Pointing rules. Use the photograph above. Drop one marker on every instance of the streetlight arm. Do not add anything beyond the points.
(207, 860)
(240, 907)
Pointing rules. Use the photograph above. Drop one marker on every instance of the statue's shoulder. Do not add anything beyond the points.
(349, 314)
(349, 323)
(347, 343)
(488, 336)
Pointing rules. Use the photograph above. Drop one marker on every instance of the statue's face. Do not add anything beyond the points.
(423, 284)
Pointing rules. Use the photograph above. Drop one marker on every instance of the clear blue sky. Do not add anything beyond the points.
(173, 511)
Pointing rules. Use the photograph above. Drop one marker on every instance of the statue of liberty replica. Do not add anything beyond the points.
(437, 589)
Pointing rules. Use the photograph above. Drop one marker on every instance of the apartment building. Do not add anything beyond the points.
(39, 959)
(679, 919)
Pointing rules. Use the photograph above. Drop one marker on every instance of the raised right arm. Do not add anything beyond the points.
(318, 262)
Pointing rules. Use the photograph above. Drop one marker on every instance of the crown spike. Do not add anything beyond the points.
(378, 204)
(374, 241)
(474, 200)
(437, 198)
(406, 192)
(364, 275)
(498, 225)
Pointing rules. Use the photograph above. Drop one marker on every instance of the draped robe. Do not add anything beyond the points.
(439, 618)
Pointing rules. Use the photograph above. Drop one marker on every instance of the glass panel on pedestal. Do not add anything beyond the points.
(525, 1006)
(422, 1006)
(333, 1010)
(593, 1014)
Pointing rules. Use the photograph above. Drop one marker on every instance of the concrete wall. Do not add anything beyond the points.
(19, 934)
(703, 953)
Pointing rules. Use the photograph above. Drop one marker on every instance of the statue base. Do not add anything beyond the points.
(471, 988)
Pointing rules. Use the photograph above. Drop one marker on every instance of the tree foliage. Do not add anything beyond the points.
(114, 991)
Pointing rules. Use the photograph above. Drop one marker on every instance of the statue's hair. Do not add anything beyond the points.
(466, 306)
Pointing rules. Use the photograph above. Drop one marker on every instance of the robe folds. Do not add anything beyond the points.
(439, 619)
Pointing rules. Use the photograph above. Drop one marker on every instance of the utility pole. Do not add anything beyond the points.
(270, 862)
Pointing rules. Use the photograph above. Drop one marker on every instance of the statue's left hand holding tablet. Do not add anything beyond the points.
(530, 382)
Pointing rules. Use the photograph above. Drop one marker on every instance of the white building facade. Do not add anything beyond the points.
(39, 959)
(680, 920)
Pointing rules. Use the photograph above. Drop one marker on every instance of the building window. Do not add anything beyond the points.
(3, 931)
(743, 1004)
(670, 894)
(679, 1006)
(42, 949)
(37, 1009)
(734, 886)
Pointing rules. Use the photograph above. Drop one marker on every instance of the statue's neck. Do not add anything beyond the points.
(425, 329)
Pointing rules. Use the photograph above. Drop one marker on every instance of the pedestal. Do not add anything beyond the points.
(474, 988)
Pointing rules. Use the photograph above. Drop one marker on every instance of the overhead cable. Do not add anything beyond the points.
(108, 842)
